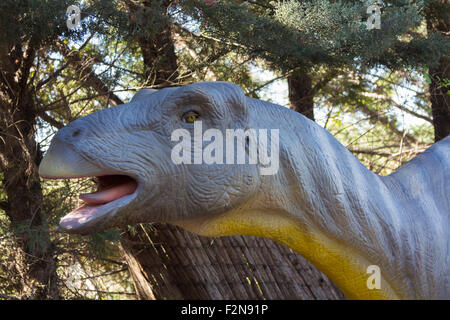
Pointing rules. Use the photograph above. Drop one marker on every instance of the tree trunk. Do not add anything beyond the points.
(167, 262)
(301, 94)
(154, 36)
(440, 99)
(34, 265)
(438, 15)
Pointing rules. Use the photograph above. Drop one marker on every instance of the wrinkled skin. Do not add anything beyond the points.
(322, 202)
(134, 140)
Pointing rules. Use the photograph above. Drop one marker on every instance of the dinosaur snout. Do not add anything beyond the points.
(61, 161)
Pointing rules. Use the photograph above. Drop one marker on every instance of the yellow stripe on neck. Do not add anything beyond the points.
(342, 264)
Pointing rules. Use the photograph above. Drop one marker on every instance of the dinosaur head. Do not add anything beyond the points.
(128, 149)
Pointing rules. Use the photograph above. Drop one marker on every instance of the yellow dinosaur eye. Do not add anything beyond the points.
(191, 117)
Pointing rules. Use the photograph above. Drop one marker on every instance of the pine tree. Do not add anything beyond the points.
(437, 15)
(29, 30)
(25, 28)
(299, 37)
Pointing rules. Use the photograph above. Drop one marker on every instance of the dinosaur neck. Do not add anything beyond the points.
(342, 206)
(342, 264)
(324, 204)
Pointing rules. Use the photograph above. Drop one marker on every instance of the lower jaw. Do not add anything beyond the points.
(98, 206)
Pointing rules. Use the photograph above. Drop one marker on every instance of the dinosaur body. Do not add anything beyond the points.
(322, 202)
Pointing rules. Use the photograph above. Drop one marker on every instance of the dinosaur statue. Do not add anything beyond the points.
(322, 202)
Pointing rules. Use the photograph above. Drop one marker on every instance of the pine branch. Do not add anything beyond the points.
(385, 120)
(397, 105)
(27, 61)
(205, 64)
(55, 74)
(44, 116)
(403, 108)
(370, 152)
(52, 77)
(267, 6)
(222, 41)
(107, 292)
(107, 273)
(284, 75)
(386, 154)
(323, 82)
(84, 67)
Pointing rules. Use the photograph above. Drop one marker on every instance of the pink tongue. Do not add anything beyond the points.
(110, 194)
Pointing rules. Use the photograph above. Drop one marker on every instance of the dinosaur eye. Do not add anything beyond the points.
(190, 117)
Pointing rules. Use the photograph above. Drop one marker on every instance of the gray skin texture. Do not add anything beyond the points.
(399, 222)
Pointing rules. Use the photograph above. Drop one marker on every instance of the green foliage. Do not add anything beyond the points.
(382, 116)
(332, 33)
(28, 19)
(101, 242)
(150, 20)
(444, 82)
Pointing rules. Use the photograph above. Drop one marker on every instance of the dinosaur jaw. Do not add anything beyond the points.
(110, 188)
(113, 193)
(115, 190)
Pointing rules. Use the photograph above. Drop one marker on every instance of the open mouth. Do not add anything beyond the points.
(114, 189)
(109, 188)
(113, 192)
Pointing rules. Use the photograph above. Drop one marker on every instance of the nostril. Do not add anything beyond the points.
(76, 133)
